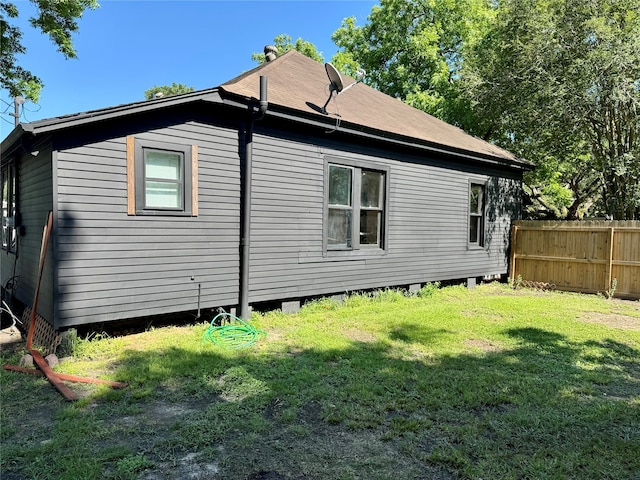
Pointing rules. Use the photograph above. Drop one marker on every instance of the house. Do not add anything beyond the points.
(246, 193)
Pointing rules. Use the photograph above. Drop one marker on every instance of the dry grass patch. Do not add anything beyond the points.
(482, 345)
(612, 320)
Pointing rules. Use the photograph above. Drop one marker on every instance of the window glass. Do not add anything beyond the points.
(369, 227)
(5, 207)
(371, 189)
(340, 185)
(339, 228)
(476, 199)
(9, 207)
(163, 179)
(163, 195)
(13, 238)
(163, 165)
(474, 230)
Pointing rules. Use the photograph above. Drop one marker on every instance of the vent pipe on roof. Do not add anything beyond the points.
(270, 53)
(264, 104)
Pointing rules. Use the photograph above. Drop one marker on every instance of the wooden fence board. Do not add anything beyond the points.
(587, 256)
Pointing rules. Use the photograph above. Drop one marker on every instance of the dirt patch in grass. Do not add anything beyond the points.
(482, 345)
(188, 466)
(359, 335)
(624, 322)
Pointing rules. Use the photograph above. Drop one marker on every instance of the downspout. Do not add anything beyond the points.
(245, 211)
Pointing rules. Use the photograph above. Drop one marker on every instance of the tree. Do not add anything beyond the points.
(561, 81)
(555, 81)
(167, 90)
(58, 19)
(284, 43)
(414, 50)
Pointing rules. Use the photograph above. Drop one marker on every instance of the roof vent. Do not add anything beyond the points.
(158, 95)
(270, 53)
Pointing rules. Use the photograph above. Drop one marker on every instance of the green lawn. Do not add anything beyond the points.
(490, 383)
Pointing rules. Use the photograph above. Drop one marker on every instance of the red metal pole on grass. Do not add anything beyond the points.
(65, 376)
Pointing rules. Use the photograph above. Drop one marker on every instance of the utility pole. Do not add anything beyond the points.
(17, 101)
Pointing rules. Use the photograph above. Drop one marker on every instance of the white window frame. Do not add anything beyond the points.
(477, 217)
(9, 234)
(357, 167)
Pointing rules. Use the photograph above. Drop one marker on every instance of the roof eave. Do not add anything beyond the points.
(14, 140)
(360, 131)
(122, 111)
(74, 120)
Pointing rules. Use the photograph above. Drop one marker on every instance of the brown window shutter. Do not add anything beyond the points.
(131, 176)
(194, 180)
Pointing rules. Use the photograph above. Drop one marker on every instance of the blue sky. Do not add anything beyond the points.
(126, 47)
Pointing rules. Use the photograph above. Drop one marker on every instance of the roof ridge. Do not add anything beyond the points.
(263, 66)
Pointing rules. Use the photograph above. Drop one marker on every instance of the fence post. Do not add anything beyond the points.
(512, 270)
(610, 262)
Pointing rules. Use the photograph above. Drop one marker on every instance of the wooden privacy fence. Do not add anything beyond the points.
(580, 256)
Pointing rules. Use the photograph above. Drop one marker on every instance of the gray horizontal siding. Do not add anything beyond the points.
(426, 234)
(114, 266)
(35, 189)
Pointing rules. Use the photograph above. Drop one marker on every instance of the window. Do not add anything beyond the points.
(162, 178)
(355, 203)
(476, 214)
(9, 207)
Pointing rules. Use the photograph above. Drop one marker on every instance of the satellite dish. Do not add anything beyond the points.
(334, 78)
(335, 82)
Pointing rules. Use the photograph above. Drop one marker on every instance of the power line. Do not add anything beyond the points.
(33, 111)
(25, 109)
(9, 105)
(11, 123)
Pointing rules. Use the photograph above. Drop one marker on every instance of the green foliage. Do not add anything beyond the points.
(284, 43)
(414, 50)
(559, 79)
(129, 467)
(612, 289)
(167, 90)
(515, 283)
(429, 289)
(57, 19)
(554, 81)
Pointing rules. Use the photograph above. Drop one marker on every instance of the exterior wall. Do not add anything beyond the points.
(115, 266)
(427, 223)
(34, 203)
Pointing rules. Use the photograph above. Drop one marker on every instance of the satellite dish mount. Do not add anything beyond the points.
(335, 83)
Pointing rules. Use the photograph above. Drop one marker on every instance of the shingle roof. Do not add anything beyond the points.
(299, 86)
(300, 83)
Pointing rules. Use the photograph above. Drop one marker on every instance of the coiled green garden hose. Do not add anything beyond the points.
(237, 335)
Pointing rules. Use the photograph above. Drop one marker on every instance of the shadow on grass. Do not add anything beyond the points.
(416, 333)
(537, 336)
(542, 409)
